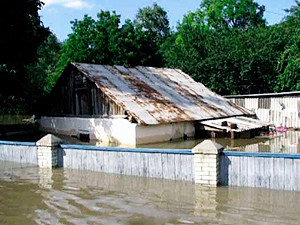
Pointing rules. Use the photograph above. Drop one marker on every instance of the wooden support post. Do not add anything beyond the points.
(213, 135)
(232, 134)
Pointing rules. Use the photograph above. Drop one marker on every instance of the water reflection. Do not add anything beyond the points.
(288, 142)
(32, 196)
(45, 178)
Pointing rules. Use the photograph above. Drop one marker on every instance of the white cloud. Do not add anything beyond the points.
(76, 4)
(73, 4)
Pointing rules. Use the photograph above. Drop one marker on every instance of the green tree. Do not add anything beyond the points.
(153, 20)
(289, 63)
(104, 41)
(128, 45)
(107, 38)
(236, 63)
(152, 28)
(93, 41)
(21, 34)
(226, 46)
(80, 45)
(293, 14)
(41, 75)
(227, 14)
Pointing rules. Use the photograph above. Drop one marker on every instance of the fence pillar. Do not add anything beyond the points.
(47, 151)
(207, 163)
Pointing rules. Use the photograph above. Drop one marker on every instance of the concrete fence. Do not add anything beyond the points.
(280, 109)
(200, 165)
(167, 164)
(205, 164)
(21, 152)
(264, 170)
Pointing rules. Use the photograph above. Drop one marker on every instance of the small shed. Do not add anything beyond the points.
(131, 105)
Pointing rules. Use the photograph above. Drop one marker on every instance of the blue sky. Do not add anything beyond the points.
(57, 14)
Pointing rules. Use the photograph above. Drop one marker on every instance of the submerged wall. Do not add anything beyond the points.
(164, 132)
(280, 109)
(21, 152)
(263, 170)
(166, 164)
(205, 164)
(117, 130)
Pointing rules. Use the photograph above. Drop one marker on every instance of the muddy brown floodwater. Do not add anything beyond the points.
(30, 195)
(288, 142)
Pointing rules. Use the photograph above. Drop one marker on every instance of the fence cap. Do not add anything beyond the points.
(208, 147)
(49, 140)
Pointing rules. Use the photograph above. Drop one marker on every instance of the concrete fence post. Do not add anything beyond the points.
(207, 163)
(47, 148)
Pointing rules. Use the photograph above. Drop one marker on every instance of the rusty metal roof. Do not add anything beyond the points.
(159, 95)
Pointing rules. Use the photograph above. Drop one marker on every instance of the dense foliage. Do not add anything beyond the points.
(105, 41)
(226, 45)
(289, 62)
(41, 74)
(228, 14)
(21, 34)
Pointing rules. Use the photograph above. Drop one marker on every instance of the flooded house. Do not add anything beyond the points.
(140, 105)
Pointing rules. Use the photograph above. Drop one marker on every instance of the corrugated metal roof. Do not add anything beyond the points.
(243, 123)
(159, 95)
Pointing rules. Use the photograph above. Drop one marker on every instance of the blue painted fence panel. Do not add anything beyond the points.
(21, 152)
(274, 171)
(167, 164)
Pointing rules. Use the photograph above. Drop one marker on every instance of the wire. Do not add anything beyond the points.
(275, 13)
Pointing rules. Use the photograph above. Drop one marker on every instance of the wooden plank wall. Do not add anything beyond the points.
(75, 95)
(18, 153)
(159, 165)
(264, 172)
(283, 110)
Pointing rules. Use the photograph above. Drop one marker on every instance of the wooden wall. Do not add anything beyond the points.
(75, 95)
(283, 109)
